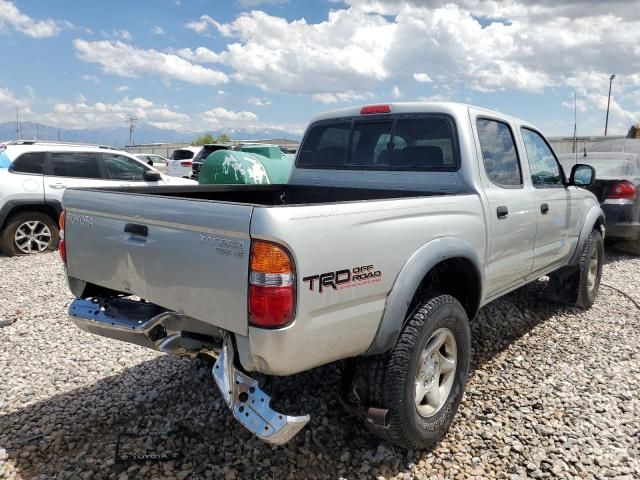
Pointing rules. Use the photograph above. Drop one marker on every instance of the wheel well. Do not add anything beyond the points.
(48, 210)
(457, 277)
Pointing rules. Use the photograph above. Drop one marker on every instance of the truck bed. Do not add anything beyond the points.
(272, 195)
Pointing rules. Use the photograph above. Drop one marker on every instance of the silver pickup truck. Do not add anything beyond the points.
(399, 222)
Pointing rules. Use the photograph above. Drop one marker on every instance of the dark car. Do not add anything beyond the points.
(617, 186)
(207, 149)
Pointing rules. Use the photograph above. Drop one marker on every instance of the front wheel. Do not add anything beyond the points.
(422, 380)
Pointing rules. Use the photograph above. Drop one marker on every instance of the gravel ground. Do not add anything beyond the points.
(554, 393)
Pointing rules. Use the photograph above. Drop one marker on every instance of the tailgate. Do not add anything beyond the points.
(190, 256)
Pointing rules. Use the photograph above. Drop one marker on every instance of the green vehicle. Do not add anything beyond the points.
(255, 164)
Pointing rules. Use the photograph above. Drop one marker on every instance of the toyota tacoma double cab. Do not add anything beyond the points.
(399, 222)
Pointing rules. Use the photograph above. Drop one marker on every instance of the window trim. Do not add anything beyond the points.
(544, 139)
(381, 118)
(520, 186)
(17, 172)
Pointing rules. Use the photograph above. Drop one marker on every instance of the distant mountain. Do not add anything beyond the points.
(119, 136)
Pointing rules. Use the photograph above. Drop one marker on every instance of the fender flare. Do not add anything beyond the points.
(9, 207)
(408, 281)
(594, 216)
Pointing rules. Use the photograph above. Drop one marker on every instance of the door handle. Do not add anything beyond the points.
(57, 186)
(544, 208)
(503, 212)
(136, 229)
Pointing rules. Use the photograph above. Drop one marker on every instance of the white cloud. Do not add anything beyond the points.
(157, 30)
(221, 118)
(125, 60)
(344, 53)
(255, 3)
(202, 25)
(117, 34)
(199, 55)
(422, 77)
(258, 102)
(91, 78)
(80, 114)
(395, 92)
(9, 102)
(123, 88)
(340, 97)
(10, 15)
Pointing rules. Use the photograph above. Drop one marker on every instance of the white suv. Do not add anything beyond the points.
(33, 176)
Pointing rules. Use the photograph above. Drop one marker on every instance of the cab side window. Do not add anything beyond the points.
(119, 167)
(545, 170)
(32, 162)
(499, 153)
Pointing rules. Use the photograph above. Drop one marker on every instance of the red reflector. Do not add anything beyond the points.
(186, 164)
(623, 190)
(370, 109)
(62, 249)
(270, 307)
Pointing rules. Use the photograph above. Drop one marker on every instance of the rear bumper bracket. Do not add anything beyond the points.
(249, 404)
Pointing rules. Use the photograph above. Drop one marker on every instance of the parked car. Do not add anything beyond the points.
(254, 164)
(181, 161)
(34, 175)
(399, 223)
(206, 150)
(154, 160)
(617, 186)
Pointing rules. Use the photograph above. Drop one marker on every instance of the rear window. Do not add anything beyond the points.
(182, 155)
(32, 162)
(204, 153)
(74, 164)
(403, 143)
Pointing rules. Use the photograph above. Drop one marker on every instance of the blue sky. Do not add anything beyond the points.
(251, 64)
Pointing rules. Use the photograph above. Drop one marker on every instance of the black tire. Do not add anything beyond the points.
(391, 378)
(7, 237)
(571, 285)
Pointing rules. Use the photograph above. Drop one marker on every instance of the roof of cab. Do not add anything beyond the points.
(452, 108)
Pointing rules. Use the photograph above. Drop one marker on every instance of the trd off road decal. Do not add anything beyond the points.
(341, 279)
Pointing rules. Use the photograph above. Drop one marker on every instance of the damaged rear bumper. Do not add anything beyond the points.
(154, 327)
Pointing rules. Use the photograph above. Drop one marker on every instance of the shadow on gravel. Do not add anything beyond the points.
(76, 432)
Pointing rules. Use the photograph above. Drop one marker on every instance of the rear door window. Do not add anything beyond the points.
(404, 143)
(499, 153)
(74, 164)
(32, 162)
(119, 167)
(182, 155)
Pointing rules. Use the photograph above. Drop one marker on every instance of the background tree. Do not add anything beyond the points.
(208, 138)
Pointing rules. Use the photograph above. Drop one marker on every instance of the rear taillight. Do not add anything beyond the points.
(186, 163)
(62, 248)
(622, 190)
(271, 285)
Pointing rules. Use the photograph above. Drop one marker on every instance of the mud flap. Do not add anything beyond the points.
(250, 404)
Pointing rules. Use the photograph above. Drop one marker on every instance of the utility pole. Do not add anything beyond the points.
(17, 124)
(37, 130)
(58, 134)
(606, 122)
(132, 124)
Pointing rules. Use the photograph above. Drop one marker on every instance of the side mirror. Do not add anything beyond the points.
(582, 175)
(152, 176)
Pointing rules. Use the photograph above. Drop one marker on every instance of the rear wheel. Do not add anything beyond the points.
(578, 285)
(421, 381)
(29, 232)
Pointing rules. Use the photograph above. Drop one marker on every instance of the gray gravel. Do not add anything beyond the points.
(554, 393)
